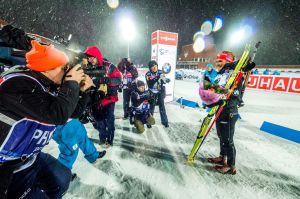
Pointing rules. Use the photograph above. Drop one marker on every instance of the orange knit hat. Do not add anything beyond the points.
(42, 58)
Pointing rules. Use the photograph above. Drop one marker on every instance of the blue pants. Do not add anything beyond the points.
(46, 178)
(70, 138)
(106, 124)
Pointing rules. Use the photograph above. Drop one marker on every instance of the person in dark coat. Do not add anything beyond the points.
(140, 109)
(225, 123)
(156, 83)
(108, 85)
(129, 74)
(33, 100)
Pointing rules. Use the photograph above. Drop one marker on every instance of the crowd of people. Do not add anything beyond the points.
(44, 95)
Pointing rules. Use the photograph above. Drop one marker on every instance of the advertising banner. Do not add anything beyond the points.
(275, 83)
(164, 52)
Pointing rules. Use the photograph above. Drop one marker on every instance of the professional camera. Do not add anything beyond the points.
(90, 70)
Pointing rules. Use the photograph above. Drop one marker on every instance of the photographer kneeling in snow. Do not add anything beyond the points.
(140, 109)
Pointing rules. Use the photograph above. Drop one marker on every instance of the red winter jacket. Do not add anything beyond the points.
(115, 77)
(95, 52)
(112, 73)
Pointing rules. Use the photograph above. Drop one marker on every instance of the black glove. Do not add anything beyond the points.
(206, 78)
(249, 67)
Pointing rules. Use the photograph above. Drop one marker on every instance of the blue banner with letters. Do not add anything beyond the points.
(25, 138)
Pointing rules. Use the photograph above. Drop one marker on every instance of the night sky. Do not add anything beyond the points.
(92, 22)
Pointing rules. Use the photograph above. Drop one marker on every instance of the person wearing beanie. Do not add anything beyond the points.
(34, 100)
(130, 74)
(106, 96)
(210, 72)
(140, 108)
(156, 83)
(152, 63)
(225, 124)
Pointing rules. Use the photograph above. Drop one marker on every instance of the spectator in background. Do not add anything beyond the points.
(255, 72)
(266, 72)
(130, 74)
(210, 74)
(276, 72)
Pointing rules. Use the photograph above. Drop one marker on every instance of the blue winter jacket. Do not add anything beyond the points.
(211, 75)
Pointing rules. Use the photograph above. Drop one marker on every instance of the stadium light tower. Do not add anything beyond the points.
(128, 31)
(238, 36)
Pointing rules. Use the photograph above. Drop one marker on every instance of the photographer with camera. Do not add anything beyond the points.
(33, 101)
(130, 74)
(140, 109)
(104, 99)
(156, 83)
(72, 136)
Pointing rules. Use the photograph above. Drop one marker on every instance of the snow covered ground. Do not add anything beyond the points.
(153, 164)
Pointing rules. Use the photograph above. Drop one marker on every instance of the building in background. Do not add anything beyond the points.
(189, 59)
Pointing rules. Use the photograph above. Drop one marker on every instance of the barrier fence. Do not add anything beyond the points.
(288, 84)
(275, 83)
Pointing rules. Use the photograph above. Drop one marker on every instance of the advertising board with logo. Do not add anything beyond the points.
(164, 52)
(275, 83)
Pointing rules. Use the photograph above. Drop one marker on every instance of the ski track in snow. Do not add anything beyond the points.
(153, 164)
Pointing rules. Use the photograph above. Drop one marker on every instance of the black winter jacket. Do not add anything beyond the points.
(232, 103)
(129, 73)
(23, 97)
(137, 98)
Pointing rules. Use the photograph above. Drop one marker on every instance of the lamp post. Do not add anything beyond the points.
(128, 56)
(128, 31)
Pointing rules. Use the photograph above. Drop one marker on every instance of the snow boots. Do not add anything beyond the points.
(218, 160)
(226, 169)
(222, 165)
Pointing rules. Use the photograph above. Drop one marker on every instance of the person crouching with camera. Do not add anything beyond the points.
(32, 102)
(107, 81)
(140, 109)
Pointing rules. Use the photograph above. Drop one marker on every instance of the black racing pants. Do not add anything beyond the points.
(159, 99)
(126, 101)
(225, 129)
